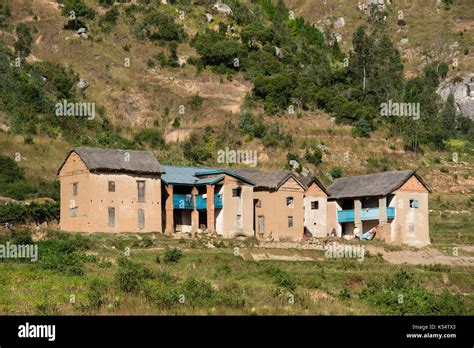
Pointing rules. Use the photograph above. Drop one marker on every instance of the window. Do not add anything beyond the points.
(74, 188)
(239, 221)
(289, 202)
(290, 221)
(261, 224)
(111, 186)
(236, 192)
(73, 211)
(414, 203)
(141, 191)
(314, 205)
(111, 217)
(141, 218)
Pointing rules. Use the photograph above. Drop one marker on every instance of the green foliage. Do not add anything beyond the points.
(151, 137)
(314, 156)
(159, 26)
(9, 170)
(5, 13)
(251, 126)
(15, 213)
(344, 294)
(275, 136)
(281, 278)
(176, 123)
(362, 128)
(131, 275)
(195, 101)
(448, 117)
(63, 253)
(336, 172)
(216, 50)
(109, 19)
(172, 255)
(25, 39)
(79, 8)
(401, 294)
(201, 146)
(96, 295)
(375, 165)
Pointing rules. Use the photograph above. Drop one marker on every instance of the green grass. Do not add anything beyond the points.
(215, 281)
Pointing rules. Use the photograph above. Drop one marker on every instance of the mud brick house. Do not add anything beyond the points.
(110, 191)
(207, 199)
(396, 202)
(315, 206)
(105, 190)
(278, 204)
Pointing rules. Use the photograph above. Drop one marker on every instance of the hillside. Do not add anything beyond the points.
(147, 94)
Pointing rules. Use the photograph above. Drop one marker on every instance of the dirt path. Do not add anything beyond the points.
(425, 256)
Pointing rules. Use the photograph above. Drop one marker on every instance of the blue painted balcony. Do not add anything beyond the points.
(185, 202)
(366, 214)
(218, 201)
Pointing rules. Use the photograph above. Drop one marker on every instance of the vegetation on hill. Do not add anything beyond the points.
(296, 72)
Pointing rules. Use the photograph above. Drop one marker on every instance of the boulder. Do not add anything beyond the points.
(340, 22)
(209, 17)
(222, 8)
(463, 94)
(83, 84)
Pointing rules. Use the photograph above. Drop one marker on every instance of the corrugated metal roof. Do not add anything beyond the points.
(187, 176)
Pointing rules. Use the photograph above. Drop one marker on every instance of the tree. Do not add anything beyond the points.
(25, 39)
(448, 117)
(159, 26)
(215, 49)
(9, 170)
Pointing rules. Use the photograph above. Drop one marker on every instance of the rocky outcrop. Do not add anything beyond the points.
(463, 94)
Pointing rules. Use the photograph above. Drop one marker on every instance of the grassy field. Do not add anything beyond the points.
(92, 274)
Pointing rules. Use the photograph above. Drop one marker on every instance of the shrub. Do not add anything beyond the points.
(151, 137)
(281, 278)
(176, 123)
(336, 172)
(62, 253)
(344, 294)
(131, 275)
(401, 294)
(66, 263)
(96, 295)
(314, 156)
(172, 255)
(160, 294)
(159, 26)
(195, 101)
(9, 170)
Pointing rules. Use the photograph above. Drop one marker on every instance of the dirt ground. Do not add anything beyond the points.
(424, 256)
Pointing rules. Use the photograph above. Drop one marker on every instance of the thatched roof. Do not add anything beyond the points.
(308, 180)
(265, 180)
(379, 184)
(125, 161)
